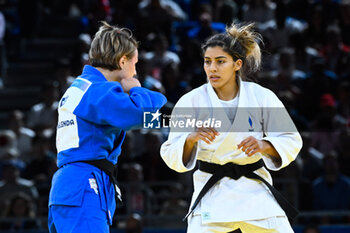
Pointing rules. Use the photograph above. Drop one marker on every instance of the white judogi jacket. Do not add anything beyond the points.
(244, 199)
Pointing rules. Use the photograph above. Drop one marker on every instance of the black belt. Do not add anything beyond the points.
(110, 169)
(235, 231)
(235, 172)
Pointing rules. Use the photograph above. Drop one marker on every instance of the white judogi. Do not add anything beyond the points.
(244, 199)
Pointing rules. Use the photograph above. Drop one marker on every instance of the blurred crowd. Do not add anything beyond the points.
(306, 62)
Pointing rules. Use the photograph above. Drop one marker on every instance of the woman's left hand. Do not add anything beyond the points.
(251, 145)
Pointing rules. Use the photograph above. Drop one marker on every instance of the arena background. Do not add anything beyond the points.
(306, 62)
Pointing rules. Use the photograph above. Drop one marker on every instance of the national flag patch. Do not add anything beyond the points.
(81, 84)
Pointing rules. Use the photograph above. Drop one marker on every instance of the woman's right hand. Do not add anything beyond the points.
(208, 135)
(128, 83)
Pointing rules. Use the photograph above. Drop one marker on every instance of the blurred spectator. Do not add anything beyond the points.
(175, 205)
(12, 183)
(24, 135)
(63, 75)
(144, 75)
(270, 56)
(174, 86)
(21, 210)
(8, 144)
(259, 11)
(41, 161)
(205, 28)
(170, 6)
(160, 56)
(134, 224)
(95, 11)
(327, 125)
(40, 169)
(191, 65)
(154, 169)
(316, 30)
(128, 152)
(157, 16)
(44, 114)
(139, 198)
(309, 159)
(276, 30)
(286, 74)
(309, 163)
(288, 98)
(9, 152)
(331, 191)
(80, 55)
(303, 52)
(281, 28)
(336, 53)
(318, 82)
(225, 11)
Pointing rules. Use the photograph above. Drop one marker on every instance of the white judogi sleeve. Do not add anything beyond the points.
(172, 150)
(280, 131)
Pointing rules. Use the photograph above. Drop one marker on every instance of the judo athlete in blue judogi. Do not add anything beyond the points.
(94, 113)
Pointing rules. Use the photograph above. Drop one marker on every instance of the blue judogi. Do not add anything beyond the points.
(93, 117)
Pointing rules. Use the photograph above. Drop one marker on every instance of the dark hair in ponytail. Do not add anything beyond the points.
(241, 42)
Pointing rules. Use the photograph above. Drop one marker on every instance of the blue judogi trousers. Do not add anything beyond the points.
(87, 218)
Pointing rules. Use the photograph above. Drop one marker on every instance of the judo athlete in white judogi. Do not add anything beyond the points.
(255, 130)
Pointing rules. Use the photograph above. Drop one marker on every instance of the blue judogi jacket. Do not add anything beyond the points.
(93, 116)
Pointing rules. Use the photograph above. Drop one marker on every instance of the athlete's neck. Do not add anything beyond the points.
(111, 76)
(227, 92)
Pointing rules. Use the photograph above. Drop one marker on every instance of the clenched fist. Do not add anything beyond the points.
(128, 83)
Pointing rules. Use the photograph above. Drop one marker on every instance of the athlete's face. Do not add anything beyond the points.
(128, 66)
(220, 68)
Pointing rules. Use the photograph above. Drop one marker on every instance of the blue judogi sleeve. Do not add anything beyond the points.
(107, 104)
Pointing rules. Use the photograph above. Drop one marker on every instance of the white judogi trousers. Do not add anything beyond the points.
(268, 225)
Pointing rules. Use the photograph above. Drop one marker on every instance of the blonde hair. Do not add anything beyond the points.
(241, 42)
(110, 44)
